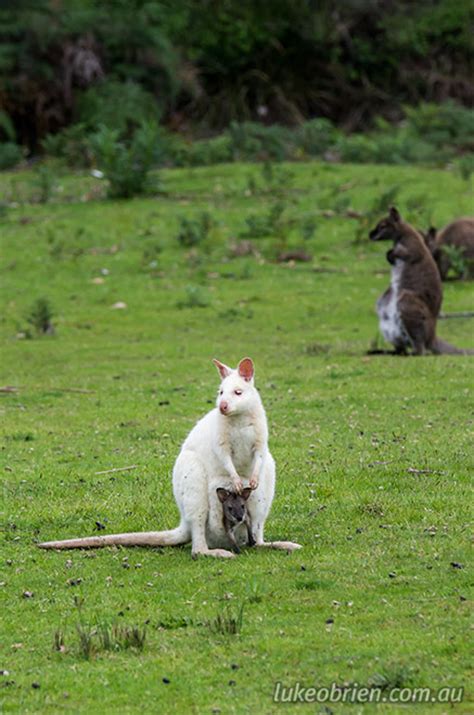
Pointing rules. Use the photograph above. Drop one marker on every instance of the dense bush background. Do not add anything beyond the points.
(198, 66)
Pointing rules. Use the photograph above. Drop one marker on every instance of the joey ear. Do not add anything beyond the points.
(394, 214)
(224, 370)
(246, 369)
(223, 494)
(246, 493)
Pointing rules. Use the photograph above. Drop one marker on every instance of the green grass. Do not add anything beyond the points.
(373, 453)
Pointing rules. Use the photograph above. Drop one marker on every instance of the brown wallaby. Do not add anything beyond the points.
(235, 514)
(459, 235)
(409, 308)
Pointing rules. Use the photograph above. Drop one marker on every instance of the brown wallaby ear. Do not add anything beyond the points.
(224, 370)
(246, 369)
(223, 494)
(394, 214)
(246, 493)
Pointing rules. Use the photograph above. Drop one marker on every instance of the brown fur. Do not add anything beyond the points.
(419, 291)
(234, 513)
(458, 234)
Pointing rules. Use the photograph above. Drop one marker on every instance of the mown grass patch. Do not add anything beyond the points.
(373, 452)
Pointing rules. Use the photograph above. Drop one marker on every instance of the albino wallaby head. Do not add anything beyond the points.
(234, 505)
(389, 228)
(237, 393)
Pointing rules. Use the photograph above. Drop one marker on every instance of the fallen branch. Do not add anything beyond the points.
(8, 388)
(412, 470)
(74, 389)
(461, 314)
(118, 469)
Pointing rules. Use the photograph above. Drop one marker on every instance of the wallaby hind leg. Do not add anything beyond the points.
(190, 489)
(199, 543)
(417, 321)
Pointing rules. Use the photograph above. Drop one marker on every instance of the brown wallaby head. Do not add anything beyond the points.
(408, 244)
(234, 505)
(389, 228)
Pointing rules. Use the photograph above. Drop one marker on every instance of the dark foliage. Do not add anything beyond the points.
(213, 62)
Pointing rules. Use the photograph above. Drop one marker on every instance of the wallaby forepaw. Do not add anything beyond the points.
(238, 485)
(253, 483)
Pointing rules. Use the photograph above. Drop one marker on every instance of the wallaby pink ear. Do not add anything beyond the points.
(246, 369)
(223, 494)
(246, 493)
(224, 370)
(394, 214)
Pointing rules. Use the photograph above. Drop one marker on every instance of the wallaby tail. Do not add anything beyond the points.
(441, 347)
(173, 537)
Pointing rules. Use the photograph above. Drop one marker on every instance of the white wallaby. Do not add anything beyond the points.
(226, 449)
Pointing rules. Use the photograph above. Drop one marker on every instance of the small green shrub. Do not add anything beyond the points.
(442, 125)
(229, 622)
(104, 637)
(194, 232)
(251, 141)
(195, 297)
(72, 145)
(126, 163)
(123, 106)
(10, 155)
(40, 317)
(465, 166)
(262, 225)
(211, 151)
(44, 182)
(7, 128)
(316, 136)
(458, 263)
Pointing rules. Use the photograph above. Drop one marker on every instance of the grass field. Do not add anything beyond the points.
(373, 453)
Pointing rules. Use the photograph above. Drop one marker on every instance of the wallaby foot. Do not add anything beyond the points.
(288, 546)
(217, 553)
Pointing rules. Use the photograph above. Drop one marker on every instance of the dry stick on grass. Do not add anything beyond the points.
(412, 470)
(74, 389)
(8, 388)
(461, 314)
(118, 469)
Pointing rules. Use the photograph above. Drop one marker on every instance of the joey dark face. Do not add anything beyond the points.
(388, 229)
(234, 505)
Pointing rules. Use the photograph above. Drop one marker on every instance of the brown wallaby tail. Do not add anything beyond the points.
(441, 347)
(174, 537)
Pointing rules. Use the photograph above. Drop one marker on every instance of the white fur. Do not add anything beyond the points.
(390, 321)
(223, 450)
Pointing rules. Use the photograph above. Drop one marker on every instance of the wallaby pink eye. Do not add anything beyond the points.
(238, 392)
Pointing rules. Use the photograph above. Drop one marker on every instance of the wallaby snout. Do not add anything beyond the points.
(223, 407)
